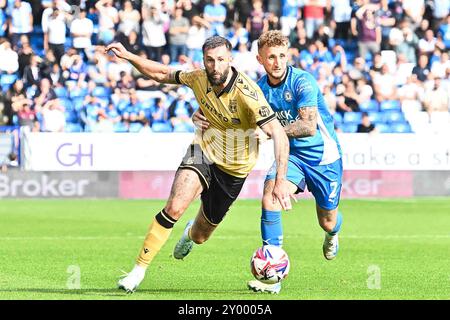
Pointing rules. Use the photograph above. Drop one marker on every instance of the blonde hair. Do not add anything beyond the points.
(272, 38)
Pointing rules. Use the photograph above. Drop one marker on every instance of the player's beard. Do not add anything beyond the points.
(280, 77)
(215, 81)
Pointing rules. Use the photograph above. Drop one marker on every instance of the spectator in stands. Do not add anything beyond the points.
(129, 19)
(411, 95)
(307, 56)
(81, 30)
(428, 43)
(133, 111)
(422, 28)
(290, 14)
(178, 31)
(414, 11)
(438, 68)
(103, 123)
(346, 101)
(313, 15)
(298, 38)
(98, 69)
(364, 90)
(26, 115)
(153, 31)
(341, 14)
(273, 22)
(108, 18)
(14, 99)
(421, 70)
(131, 43)
(404, 41)
(32, 73)
(53, 118)
(44, 94)
(237, 35)
(159, 112)
(338, 57)
(195, 39)
(215, 14)
(180, 112)
(55, 32)
(78, 72)
(436, 98)
(9, 63)
(330, 98)
(246, 61)
(257, 21)
(384, 84)
(56, 76)
(441, 11)
(387, 22)
(20, 22)
(9, 162)
(25, 53)
(367, 29)
(366, 126)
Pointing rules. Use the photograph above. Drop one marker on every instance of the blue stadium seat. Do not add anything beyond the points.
(349, 127)
(161, 127)
(66, 103)
(337, 118)
(183, 127)
(120, 127)
(383, 128)
(401, 128)
(390, 105)
(61, 92)
(73, 127)
(352, 117)
(376, 117)
(369, 106)
(101, 92)
(135, 127)
(77, 93)
(394, 117)
(71, 116)
(6, 80)
(77, 103)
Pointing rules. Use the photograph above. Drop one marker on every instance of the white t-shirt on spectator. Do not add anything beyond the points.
(107, 16)
(56, 29)
(9, 61)
(62, 6)
(83, 26)
(427, 46)
(153, 32)
(53, 120)
(196, 37)
(20, 18)
(342, 10)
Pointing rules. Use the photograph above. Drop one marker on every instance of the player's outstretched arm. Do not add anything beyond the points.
(281, 147)
(305, 125)
(153, 70)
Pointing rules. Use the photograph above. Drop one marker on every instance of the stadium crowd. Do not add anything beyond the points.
(383, 64)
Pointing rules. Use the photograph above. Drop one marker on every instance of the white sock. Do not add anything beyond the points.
(139, 270)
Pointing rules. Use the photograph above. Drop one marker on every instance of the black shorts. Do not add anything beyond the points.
(219, 188)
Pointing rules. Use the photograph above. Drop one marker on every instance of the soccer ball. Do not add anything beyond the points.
(270, 264)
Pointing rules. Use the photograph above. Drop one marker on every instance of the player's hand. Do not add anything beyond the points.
(200, 121)
(281, 193)
(119, 50)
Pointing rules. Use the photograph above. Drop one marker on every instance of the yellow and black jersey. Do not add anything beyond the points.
(233, 114)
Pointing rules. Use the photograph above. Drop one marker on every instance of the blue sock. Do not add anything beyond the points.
(271, 228)
(338, 224)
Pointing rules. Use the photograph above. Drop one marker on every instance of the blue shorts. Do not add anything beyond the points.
(323, 181)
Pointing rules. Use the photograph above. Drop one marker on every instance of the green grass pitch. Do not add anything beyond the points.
(389, 249)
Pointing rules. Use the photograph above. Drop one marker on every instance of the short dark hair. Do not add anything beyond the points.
(215, 42)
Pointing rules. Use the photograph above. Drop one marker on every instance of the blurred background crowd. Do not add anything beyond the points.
(383, 65)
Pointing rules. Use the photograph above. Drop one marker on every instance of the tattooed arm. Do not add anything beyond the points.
(154, 70)
(305, 126)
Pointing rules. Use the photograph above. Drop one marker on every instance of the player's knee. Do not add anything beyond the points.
(175, 209)
(328, 225)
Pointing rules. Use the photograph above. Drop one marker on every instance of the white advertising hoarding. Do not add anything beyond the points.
(159, 151)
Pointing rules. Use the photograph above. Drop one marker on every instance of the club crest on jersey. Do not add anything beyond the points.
(232, 106)
(287, 96)
(264, 111)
